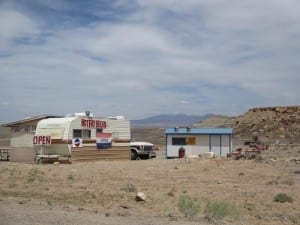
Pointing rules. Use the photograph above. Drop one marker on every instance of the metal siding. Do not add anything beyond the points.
(209, 142)
(75, 124)
(219, 144)
(22, 139)
(55, 123)
(166, 146)
(230, 142)
(202, 145)
(225, 144)
(186, 131)
(215, 144)
(22, 147)
(120, 126)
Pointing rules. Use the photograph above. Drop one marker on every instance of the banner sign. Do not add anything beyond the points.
(90, 123)
(77, 142)
(103, 140)
(42, 140)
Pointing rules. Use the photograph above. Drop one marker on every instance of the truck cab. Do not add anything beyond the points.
(142, 150)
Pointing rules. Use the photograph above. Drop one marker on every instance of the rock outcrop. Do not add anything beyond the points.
(265, 124)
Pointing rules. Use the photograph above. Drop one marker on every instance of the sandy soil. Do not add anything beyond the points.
(104, 192)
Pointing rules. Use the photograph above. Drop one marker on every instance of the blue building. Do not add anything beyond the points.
(196, 141)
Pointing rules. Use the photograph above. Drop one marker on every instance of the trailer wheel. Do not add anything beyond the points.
(38, 161)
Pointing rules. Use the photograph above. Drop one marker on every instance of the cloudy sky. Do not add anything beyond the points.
(140, 58)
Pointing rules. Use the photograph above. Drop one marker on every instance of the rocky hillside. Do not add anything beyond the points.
(268, 124)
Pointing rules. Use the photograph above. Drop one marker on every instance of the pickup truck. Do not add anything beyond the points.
(142, 150)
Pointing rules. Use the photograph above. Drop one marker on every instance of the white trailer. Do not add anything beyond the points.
(84, 137)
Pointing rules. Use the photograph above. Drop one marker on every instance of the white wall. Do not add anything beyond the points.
(22, 147)
(226, 144)
(204, 143)
(119, 128)
(22, 139)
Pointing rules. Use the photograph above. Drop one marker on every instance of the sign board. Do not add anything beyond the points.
(77, 142)
(103, 140)
(91, 123)
(41, 140)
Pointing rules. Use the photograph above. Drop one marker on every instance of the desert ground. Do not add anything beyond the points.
(178, 191)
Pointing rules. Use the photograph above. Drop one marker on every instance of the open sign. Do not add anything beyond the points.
(42, 140)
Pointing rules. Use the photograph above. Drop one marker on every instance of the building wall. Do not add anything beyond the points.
(5, 133)
(201, 145)
(22, 147)
(226, 144)
(219, 144)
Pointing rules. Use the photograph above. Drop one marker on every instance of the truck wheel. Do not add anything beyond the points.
(134, 155)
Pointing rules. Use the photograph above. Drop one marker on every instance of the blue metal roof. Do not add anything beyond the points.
(183, 130)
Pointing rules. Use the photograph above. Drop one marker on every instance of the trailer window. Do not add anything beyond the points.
(78, 133)
(86, 133)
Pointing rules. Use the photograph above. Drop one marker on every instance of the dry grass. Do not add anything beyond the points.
(110, 187)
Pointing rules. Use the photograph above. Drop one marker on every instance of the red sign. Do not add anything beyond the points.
(103, 135)
(42, 140)
(90, 123)
(103, 140)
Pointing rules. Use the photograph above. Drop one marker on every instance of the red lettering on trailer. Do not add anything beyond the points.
(35, 140)
(42, 140)
(83, 122)
(100, 124)
(90, 123)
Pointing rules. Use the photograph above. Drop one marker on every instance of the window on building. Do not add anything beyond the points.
(16, 129)
(30, 128)
(178, 141)
(78, 133)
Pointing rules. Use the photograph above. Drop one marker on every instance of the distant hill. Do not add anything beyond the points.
(169, 120)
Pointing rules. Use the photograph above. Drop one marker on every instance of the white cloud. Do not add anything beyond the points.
(13, 25)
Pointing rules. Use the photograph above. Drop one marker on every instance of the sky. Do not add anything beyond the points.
(140, 58)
